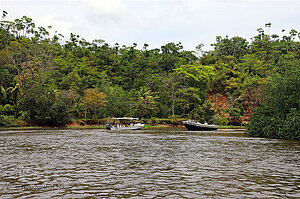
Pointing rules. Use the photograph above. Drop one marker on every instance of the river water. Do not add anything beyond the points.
(163, 163)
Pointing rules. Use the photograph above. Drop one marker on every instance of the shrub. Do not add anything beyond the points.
(279, 116)
(235, 114)
(220, 120)
(42, 107)
(7, 109)
(5, 120)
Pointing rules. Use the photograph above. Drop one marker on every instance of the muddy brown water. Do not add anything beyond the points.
(157, 163)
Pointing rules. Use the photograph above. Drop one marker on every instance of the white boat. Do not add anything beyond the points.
(192, 125)
(122, 126)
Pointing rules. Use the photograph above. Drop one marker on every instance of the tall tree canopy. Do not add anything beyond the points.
(162, 82)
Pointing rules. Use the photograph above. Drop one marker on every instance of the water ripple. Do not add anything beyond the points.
(146, 164)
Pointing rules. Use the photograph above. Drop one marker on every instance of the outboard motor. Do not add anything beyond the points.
(108, 127)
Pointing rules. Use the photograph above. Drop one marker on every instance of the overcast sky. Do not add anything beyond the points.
(158, 22)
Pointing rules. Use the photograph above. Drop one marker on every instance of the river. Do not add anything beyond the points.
(157, 163)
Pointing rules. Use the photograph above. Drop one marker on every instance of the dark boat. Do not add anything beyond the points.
(192, 125)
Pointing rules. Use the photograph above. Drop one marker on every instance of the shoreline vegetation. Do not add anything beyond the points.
(49, 80)
(100, 124)
(102, 127)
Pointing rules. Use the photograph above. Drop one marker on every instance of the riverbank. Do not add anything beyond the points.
(73, 126)
(100, 124)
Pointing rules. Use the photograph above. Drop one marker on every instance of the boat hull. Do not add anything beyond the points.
(192, 125)
(125, 128)
(199, 128)
(121, 128)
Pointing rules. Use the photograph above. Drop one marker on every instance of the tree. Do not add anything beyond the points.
(145, 102)
(235, 113)
(93, 100)
(279, 115)
(14, 93)
(170, 56)
(192, 93)
(293, 33)
(2, 93)
(57, 75)
(118, 103)
(42, 107)
(236, 46)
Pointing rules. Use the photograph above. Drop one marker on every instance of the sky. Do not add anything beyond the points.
(158, 22)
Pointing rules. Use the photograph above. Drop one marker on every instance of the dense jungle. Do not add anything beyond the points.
(48, 79)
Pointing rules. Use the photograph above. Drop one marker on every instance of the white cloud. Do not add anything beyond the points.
(158, 22)
(104, 7)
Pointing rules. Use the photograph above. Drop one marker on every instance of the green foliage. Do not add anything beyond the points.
(39, 75)
(235, 113)
(14, 93)
(236, 46)
(42, 107)
(5, 120)
(118, 103)
(278, 115)
(93, 100)
(145, 102)
(7, 109)
(203, 113)
(192, 95)
(220, 120)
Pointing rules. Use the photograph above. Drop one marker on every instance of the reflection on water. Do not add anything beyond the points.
(146, 164)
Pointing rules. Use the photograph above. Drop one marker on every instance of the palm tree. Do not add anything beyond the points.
(145, 100)
(14, 93)
(2, 93)
(293, 33)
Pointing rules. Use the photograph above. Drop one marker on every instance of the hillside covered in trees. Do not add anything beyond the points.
(45, 81)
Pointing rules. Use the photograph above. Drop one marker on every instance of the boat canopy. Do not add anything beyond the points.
(125, 118)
